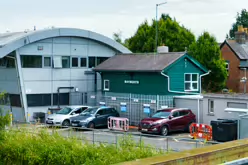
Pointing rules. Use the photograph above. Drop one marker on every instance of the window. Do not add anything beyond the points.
(29, 61)
(63, 99)
(106, 85)
(227, 66)
(210, 106)
(100, 112)
(191, 82)
(65, 62)
(47, 62)
(15, 100)
(183, 113)
(61, 62)
(74, 61)
(236, 105)
(3, 62)
(175, 114)
(94, 61)
(83, 62)
(34, 100)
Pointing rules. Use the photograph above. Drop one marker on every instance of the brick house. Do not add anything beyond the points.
(235, 53)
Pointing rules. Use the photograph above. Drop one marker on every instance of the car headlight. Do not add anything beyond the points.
(155, 123)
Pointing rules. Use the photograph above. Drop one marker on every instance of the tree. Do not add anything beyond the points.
(241, 19)
(170, 33)
(206, 50)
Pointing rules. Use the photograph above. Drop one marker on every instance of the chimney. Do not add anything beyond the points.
(163, 49)
(241, 35)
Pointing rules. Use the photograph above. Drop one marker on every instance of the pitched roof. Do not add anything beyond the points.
(241, 50)
(139, 62)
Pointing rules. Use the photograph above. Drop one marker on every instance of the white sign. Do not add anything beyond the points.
(131, 81)
(102, 103)
(153, 101)
(92, 97)
(146, 105)
(135, 100)
(123, 103)
(164, 106)
(113, 98)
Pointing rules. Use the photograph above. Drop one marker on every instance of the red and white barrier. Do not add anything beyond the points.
(118, 123)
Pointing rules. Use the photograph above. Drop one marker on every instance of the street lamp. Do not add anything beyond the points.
(156, 40)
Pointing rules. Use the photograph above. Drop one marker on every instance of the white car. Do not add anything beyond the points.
(62, 117)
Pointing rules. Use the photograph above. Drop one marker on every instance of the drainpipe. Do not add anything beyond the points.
(201, 78)
(59, 92)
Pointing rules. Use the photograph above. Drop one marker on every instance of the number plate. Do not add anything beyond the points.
(74, 124)
(49, 122)
(144, 129)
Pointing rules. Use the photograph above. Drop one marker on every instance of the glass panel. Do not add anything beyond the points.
(194, 77)
(57, 62)
(187, 77)
(101, 60)
(65, 62)
(3, 62)
(83, 62)
(47, 61)
(106, 84)
(31, 61)
(92, 62)
(194, 85)
(74, 62)
(187, 86)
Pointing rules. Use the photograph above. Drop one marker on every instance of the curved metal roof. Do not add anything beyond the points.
(12, 41)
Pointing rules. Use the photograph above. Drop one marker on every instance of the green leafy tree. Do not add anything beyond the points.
(4, 118)
(170, 33)
(206, 50)
(241, 19)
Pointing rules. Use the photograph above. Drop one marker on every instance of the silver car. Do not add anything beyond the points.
(62, 117)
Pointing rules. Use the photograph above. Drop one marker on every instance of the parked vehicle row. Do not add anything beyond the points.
(82, 116)
(162, 122)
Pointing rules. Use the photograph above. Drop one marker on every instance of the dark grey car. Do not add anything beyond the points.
(94, 117)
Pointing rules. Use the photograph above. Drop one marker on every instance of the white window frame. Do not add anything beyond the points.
(104, 82)
(227, 66)
(80, 58)
(57, 61)
(210, 110)
(43, 61)
(191, 82)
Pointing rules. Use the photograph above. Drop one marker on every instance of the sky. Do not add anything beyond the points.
(109, 16)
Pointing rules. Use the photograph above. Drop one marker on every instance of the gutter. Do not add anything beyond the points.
(201, 78)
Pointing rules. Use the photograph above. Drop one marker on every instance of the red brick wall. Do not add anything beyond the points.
(233, 81)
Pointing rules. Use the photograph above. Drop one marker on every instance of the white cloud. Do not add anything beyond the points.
(109, 16)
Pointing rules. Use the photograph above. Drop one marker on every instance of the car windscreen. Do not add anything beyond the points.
(64, 111)
(161, 114)
(89, 111)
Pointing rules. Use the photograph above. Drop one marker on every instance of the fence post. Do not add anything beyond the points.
(93, 134)
(167, 144)
(140, 139)
(116, 141)
(130, 108)
(157, 107)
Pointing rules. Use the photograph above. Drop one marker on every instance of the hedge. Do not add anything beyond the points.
(41, 148)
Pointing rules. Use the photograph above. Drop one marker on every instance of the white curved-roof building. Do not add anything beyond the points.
(34, 65)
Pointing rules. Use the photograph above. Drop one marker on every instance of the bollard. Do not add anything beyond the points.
(11, 119)
(118, 123)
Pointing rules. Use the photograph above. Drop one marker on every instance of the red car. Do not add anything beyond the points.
(168, 120)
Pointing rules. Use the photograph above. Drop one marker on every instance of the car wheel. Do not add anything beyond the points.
(164, 131)
(187, 129)
(91, 125)
(66, 123)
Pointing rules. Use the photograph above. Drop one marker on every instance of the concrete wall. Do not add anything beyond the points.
(47, 80)
(192, 104)
(221, 101)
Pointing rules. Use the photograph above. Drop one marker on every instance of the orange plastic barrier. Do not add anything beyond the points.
(201, 131)
(118, 123)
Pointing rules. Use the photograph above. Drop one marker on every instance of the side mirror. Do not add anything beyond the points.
(97, 115)
(73, 113)
(170, 117)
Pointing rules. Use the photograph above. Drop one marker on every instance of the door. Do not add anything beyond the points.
(100, 118)
(174, 125)
(108, 112)
(184, 119)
